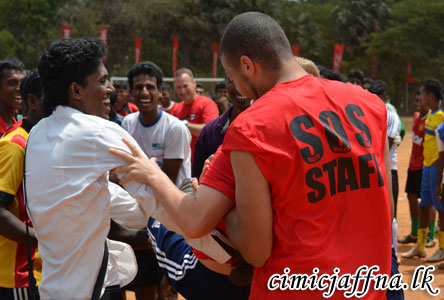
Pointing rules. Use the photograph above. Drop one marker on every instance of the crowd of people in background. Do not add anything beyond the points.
(67, 101)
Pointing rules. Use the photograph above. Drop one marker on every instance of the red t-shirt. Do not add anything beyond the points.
(320, 145)
(4, 129)
(417, 156)
(127, 109)
(220, 177)
(171, 110)
(201, 111)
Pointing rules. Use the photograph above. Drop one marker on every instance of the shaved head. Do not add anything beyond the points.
(257, 36)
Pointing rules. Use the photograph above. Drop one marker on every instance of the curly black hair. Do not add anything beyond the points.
(148, 68)
(66, 61)
(10, 64)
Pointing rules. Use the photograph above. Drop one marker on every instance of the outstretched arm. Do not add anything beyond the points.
(195, 215)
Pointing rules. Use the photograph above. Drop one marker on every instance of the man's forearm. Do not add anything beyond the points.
(14, 229)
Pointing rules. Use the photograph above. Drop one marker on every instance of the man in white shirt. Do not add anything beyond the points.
(159, 134)
(162, 136)
(70, 198)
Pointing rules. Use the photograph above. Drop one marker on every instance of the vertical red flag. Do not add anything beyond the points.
(175, 48)
(137, 47)
(66, 31)
(337, 57)
(103, 35)
(374, 69)
(409, 77)
(215, 56)
(296, 49)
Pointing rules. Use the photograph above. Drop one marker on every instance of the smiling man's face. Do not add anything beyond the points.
(10, 99)
(96, 91)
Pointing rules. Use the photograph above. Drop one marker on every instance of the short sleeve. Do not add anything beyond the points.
(237, 139)
(11, 167)
(177, 143)
(209, 111)
(220, 176)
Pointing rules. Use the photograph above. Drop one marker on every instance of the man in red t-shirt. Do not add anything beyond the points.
(307, 159)
(414, 175)
(195, 110)
(12, 71)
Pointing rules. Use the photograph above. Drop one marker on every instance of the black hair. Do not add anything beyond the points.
(257, 36)
(379, 88)
(147, 68)
(10, 64)
(113, 99)
(367, 80)
(120, 85)
(356, 74)
(66, 61)
(31, 84)
(199, 85)
(220, 85)
(433, 86)
(332, 75)
(166, 86)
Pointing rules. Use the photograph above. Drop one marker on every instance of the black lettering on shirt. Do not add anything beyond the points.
(335, 133)
(318, 187)
(346, 175)
(309, 155)
(353, 111)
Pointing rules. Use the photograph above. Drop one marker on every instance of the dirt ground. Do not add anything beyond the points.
(407, 266)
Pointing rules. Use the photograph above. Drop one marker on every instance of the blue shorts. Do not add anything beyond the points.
(187, 275)
(428, 187)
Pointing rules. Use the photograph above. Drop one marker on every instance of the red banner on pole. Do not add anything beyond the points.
(409, 77)
(296, 49)
(103, 35)
(66, 31)
(175, 48)
(215, 57)
(137, 47)
(374, 71)
(337, 57)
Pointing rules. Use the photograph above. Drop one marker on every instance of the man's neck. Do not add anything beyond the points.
(189, 101)
(434, 107)
(289, 71)
(7, 117)
(149, 117)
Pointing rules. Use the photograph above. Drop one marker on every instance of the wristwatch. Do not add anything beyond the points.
(185, 122)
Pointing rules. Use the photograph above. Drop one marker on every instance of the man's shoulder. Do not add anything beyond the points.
(130, 118)
(203, 101)
(173, 123)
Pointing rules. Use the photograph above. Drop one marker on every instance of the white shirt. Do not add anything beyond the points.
(71, 201)
(393, 131)
(166, 138)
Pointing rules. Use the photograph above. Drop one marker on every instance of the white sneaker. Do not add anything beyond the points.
(438, 256)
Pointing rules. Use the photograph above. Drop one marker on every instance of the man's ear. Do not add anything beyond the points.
(75, 91)
(33, 102)
(247, 66)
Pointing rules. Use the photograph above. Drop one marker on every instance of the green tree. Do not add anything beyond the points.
(9, 47)
(414, 33)
(30, 22)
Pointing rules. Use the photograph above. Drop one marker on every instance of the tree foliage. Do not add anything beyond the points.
(393, 30)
